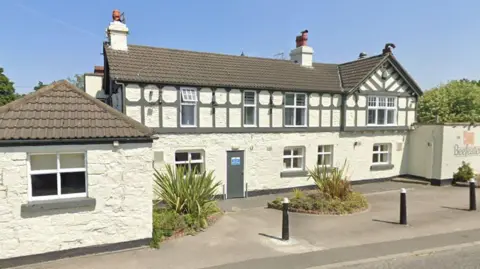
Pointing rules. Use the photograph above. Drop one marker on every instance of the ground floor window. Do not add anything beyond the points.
(190, 160)
(60, 175)
(325, 155)
(381, 154)
(293, 158)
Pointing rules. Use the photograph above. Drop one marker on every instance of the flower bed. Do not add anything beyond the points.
(317, 203)
(168, 225)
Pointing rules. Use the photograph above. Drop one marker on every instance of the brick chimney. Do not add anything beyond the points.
(117, 32)
(302, 54)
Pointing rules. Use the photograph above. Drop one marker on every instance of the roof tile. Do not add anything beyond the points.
(62, 111)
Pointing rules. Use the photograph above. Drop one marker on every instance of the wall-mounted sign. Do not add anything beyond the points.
(235, 161)
(468, 148)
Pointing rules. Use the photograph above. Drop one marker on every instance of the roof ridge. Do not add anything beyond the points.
(36, 94)
(362, 59)
(222, 54)
(119, 115)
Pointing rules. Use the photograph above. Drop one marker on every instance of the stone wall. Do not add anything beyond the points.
(120, 181)
(264, 154)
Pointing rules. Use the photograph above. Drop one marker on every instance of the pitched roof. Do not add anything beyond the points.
(180, 67)
(352, 73)
(61, 111)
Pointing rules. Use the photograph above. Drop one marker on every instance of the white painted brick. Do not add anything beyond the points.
(313, 117)
(235, 117)
(351, 101)
(235, 97)
(402, 102)
(133, 92)
(326, 100)
(277, 120)
(205, 96)
(361, 118)
(151, 93)
(220, 117)
(314, 99)
(221, 96)
(264, 98)
(169, 94)
(152, 114)
(122, 213)
(169, 116)
(336, 100)
(336, 117)
(326, 117)
(134, 112)
(277, 98)
(205, 117)
(350, 118)
(264, 117)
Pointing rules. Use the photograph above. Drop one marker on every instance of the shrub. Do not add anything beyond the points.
(165, 223)
(332, 183)
(316, 202)
(464, 173)
(297, 193)
(187, 193)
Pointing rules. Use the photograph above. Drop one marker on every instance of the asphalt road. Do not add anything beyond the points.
(463, 258)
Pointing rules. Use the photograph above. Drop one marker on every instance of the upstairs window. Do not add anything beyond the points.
(188, 107)
(249, 107)
(381, 110)
(295, 110)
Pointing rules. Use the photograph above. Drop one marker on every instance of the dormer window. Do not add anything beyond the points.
(382, 110)
(188, 107)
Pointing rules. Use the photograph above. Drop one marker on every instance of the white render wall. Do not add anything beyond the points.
(119, 179)
(93, 85)
(264, 154)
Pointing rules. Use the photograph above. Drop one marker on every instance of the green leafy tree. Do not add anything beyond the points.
(7, 91)
(77, 80)
(39, 86)
(456, 101)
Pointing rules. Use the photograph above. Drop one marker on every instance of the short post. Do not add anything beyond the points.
(285, 225)
(473, 199)
(403, 206)
(246, 190)
(223, 190)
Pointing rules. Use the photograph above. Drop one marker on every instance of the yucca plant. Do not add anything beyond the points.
(331, 183)
(298, 194)
(187, 192)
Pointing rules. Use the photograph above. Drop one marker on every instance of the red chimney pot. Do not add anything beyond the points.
(301, 40)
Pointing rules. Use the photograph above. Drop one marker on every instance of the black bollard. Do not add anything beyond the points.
(403, 207)
(473, 199)
(285, 228)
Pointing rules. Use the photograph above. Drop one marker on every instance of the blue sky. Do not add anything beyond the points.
(437, 40)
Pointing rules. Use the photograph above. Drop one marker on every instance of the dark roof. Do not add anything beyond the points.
(352, 73)
(180, 67)
(61, 111)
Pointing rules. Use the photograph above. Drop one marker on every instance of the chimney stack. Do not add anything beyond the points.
(98, 70)
(302, 54)
(117, 32)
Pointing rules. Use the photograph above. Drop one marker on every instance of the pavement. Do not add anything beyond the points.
(464, 256)
(247, 235)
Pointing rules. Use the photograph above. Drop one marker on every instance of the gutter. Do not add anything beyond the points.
(83, 141)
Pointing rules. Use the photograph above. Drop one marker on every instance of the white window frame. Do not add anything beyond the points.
(380, 152)
(324, 153)
(295, 106)
(193, 101)
(57, 171)
(254, 105)
(377, 107)
(189, 160)
(291, 156)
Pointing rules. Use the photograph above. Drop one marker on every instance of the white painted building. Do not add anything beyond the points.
(261, 123)
(74, 173)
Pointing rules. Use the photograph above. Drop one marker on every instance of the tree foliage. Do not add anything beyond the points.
(7, 91)
(39, 86)
(78, 80)
(456, 101)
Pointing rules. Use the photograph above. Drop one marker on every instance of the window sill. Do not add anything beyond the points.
(299, 173)
(79, 204)
(381, 167)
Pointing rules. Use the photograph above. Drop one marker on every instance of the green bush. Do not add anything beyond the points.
(332, 183)
(316, 202)
(187, 192)
(464, 173)
(165, 224)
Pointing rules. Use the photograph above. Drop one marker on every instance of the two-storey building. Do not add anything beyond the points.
(261, 123)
